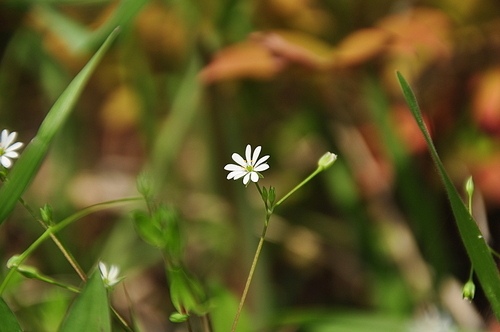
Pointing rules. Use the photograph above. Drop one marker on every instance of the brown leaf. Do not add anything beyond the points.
(360, 46)
(247, 59)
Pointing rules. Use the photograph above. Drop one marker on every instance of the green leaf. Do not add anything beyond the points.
(28, 164)
(90, 312)
(476, 246)
(8, 320)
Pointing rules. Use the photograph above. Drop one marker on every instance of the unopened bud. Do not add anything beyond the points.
(469, 186)
(327, 160)
(177, 317)
(468, 291)
(46, 213)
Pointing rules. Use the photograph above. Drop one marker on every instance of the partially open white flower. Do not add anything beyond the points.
(7, 149)
(248, 168)
(109, 277)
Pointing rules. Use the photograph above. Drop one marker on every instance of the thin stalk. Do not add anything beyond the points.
(67, 254)
(56, 228)
(297, 187)
(251, 273)
(269, 212)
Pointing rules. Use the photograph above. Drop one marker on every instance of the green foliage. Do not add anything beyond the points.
(90, 311)
(8, 321)
(28, 164)
(186, 293)
(160, 230)
(474, 242)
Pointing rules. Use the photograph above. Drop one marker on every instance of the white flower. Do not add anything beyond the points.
(7, 149)
(109, 277)
(248, 168)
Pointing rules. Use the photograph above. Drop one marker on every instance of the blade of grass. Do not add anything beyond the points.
(477, 249)
(8, 320)
(28, 164)
(90, 311)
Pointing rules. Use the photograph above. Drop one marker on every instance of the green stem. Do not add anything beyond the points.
(269, 212)
(251, 273)
(54, 229)
(297, 187)
(67, 254)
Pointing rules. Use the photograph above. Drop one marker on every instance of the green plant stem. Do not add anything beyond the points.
(67, 254)
(54, 229)
(269, 212)
(250, 274)
(69, 257)
(297, 187)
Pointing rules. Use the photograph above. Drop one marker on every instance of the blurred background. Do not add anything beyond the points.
(369, 245)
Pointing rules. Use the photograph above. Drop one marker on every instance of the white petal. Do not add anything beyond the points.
(104, 269)
(254, 176)
(14, 146)
(239, 159)
(261, 168)
(248, 153)
(3, 138)
(11, 154)
(236, 175)
(261, 160)
(5, 161)
(9, 139)
(233, 167)
(114, 271)
(256, 155)
(246, 178)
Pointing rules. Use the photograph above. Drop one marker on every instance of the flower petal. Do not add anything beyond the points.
(5, 162)
(236, 175)
(104, 269)
(9, 139)
(4, 136)
(239, 159)
(255, 156)
(261, 168)
(248, 154)
(14, 146)
(254, 176)
(233, 167)
(246, 178)
(11, 154)
(261, 160)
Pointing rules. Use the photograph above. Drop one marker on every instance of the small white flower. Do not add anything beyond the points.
(248, 168)
(7, 149)
(109, 277)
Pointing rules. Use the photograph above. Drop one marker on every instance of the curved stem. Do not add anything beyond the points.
(54, 229)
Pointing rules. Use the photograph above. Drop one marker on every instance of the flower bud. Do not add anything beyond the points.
(46, 213)
(468, 291)
(28, 272)
(177, 317)
(14, 261)
(272, 195)
(469, 186)
(327, 160)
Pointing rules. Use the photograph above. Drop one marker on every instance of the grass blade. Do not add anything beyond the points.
(28, 164)
(8, 321)
(477, 249)
(90, 311)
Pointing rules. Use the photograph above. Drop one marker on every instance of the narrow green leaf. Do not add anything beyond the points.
(28, 164)
(8, 321)
(90, 312)
(476, 246)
